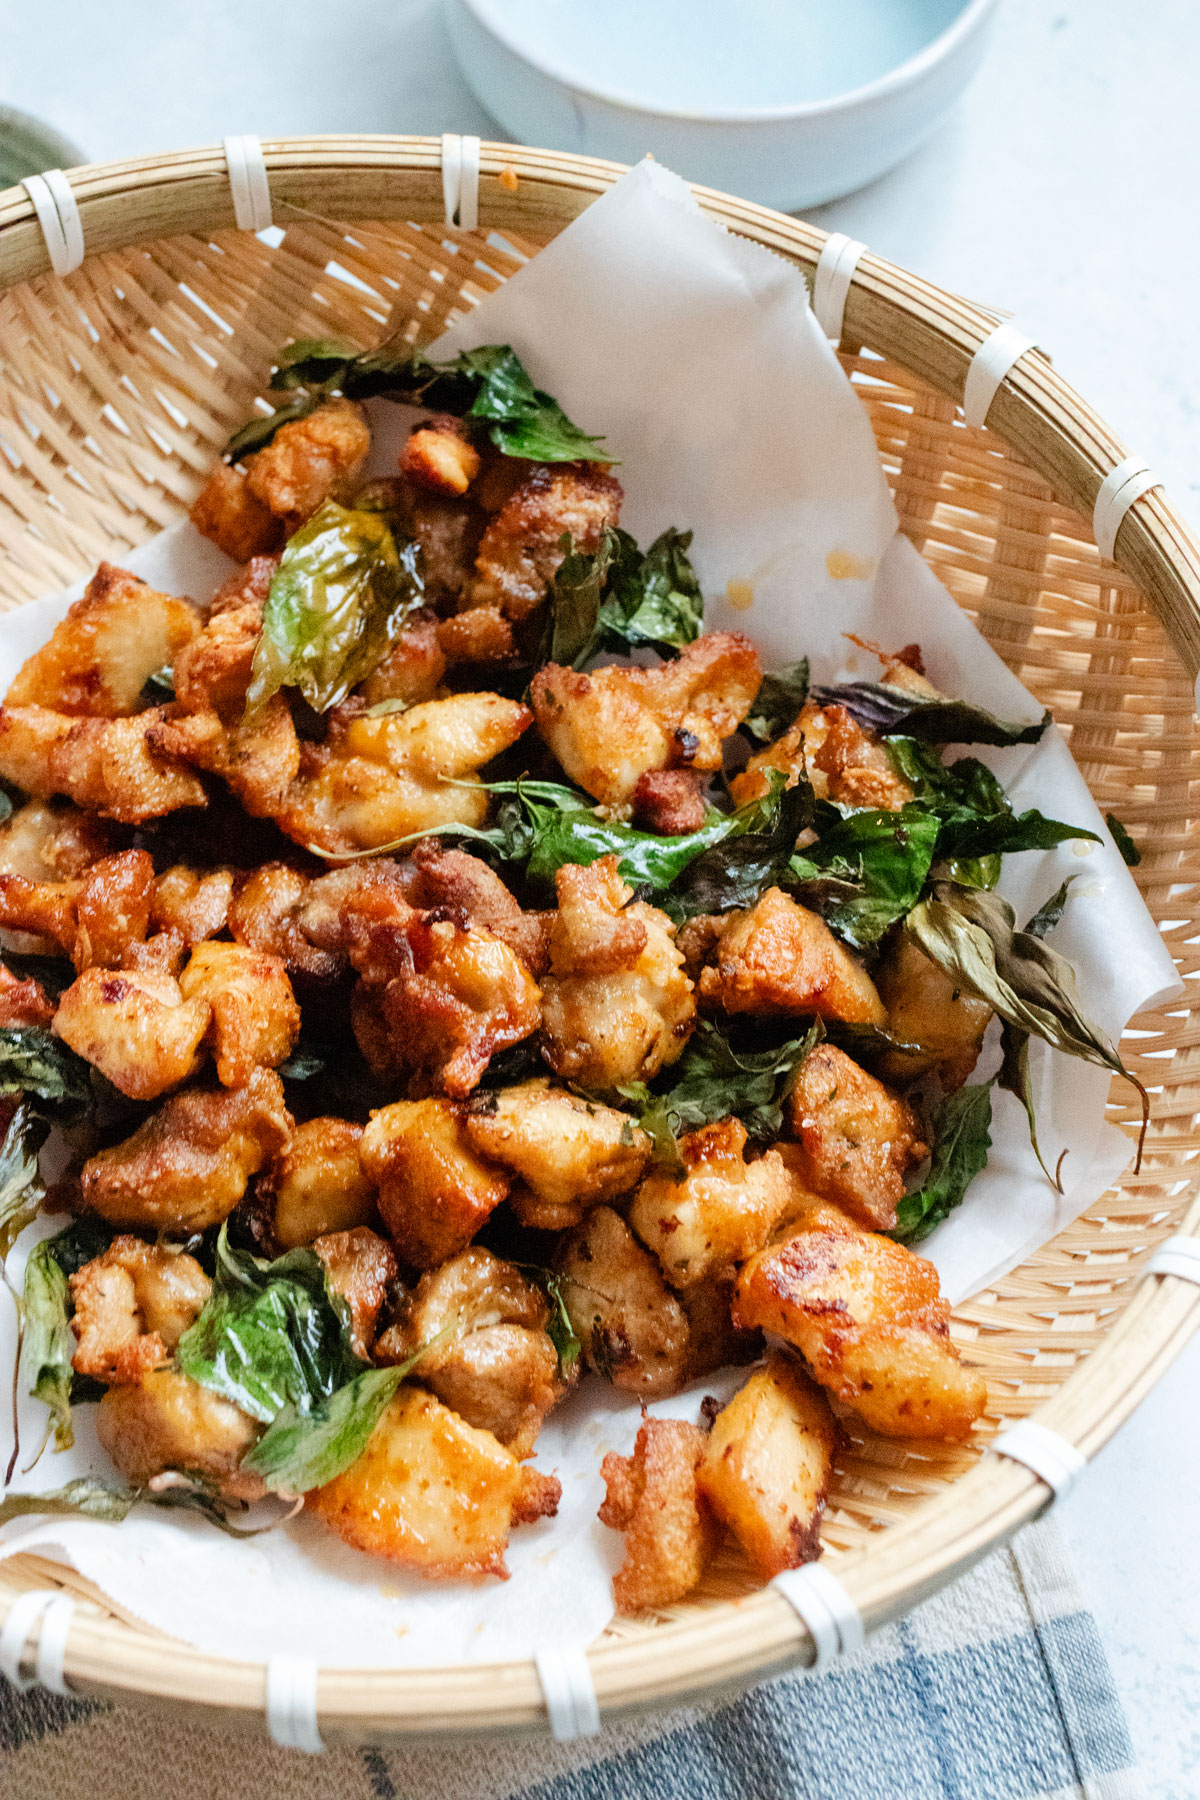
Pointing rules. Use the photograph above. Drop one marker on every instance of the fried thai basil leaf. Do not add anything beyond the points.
(618, 599)
(737, 871)
(40, 1066)
(90, 1498)
(47, 1341)
(1014, 1073)
(339, 599)
(1120, 836)
(778, 702)
(961, 1141)
(892, 710)
(866, 871)
(21, 1189)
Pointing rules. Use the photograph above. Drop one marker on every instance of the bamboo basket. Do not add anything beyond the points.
(119, 383)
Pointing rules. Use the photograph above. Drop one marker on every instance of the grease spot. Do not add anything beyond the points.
(843, 566)
(740, 594)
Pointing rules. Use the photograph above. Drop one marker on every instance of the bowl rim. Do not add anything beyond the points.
(971, 17)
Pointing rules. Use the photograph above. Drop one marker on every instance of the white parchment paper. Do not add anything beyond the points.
(696, 354)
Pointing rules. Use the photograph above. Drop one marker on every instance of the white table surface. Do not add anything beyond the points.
(1065, 188)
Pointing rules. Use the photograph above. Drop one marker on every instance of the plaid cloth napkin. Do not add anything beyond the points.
(997, 1689)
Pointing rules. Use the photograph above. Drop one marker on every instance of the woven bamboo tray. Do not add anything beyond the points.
(120, 382)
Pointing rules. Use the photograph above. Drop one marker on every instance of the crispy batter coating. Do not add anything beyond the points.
(249, 587)
(723, 1210)
(236, 520)
(165, 1421)
(259, 758)
(440, 455)
(614, 725)
(194, 903)
(633, 1329)
(857, 1140)
(187, 1166)
(522, 546)
(38, 915)
(496, 1367)
(767, 1464)
(99, 658)
(782, 959)
(317, 1186)
(617, 1005)
(47, 840)
(715, 1341)
(108, 764)
(113, 909)
(434, 1190)
(413, 668)
(309, 461)
(360, 1266)
(669, 801)
(23, 1002)
(465, 885)
(432, 1493)
(136, 1028)
(213, 673)
(567, 1153)
(446, 528)
(925, 1007)
(481, 634)
(255, 1019)
(844, 762)
(868, 1317)
(652, 1497)
(132, 1306)
(263, 915)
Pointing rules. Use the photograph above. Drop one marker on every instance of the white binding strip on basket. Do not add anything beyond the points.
(831, 283)
(460, 179)
(821, 1601)
(1052, 1457)
(58, 216)
(989, 365)
(1118, 491)
(1177, 1256)
(248, 182)
(55, 1610)
(292, 1703)
(569, 1692)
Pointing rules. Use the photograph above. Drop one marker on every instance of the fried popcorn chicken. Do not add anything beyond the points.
(113, 909)
(187, 1166)
(612, 726)
(522, 547)
(99, 659)
(481, 634)
(434, 1190)
(868, 1318)
(857, 1140)
(782, 959)
(843, 762)
(432, 1493)
(263, 915)
(652, 1496)
(723, 1210)
(440, 455)
(447, 530)
(255, 1019)
(249, 587)
(413, 668)
(166, 1421)
(23, 1002)
(39, 914)
(132, 1306)
(925, 1007)
(495, 1367)
(669, 801)
(309, 461)
(715, 1341)
(465, 885)
(108, 764)
(192, 903)
(47, 840)
(632, 1328)
(317, 1187)
(235, 519)
(360, 1267)
(136, 1028)
(617, 1005)
(568, 1153)
(213, 673)
(258, 758)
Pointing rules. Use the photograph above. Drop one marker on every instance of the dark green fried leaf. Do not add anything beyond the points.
(1123, 841)
(961, 1141)
(891, 710)
(617, 599)
(47, 1341)
(572, 633)
(87, 1497)
(257, 433)
(866, 871)
(522, 420)
(778, 702)
(737, 871)
(559, 1328)
(21, 1188)
(1014, 1074)
(313, 362)
(35, 1063)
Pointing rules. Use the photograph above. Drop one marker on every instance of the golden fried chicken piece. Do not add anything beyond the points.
(413, 668)
(495, 1366)
(235, 519)
(465, 885)
(612, 726)
(107, 764)
(567, 1153)
(652, 1496)
(843, 762)
(617, 1005)
(23, 1002)
(522, 546)
(192, 903)
(360, 1267)
(439, 455)
(132, 1306)
(632, 1328)
(98, 660)
(767, 1464)
(404, 1497)
(213, 673)
(446, 528)
(166, 1421)
(113, 909)
(925, 1007)
(136, 1028)
(263, 914)
(868, 1317)
(669, 801)
(715, 1341)
(248, 587)
(723, 1210)
(481, 634)
(309, 461)
(258, 758)
(39, 915)
(856, 1140)
(47, 840)
(187, 1166)
(318, 1187)
(255, 1019)
(434, 1190)
(782, 959)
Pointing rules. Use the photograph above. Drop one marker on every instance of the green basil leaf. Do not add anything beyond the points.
(653, 599)
(867, 871)
(779, 702)
(559, 1328)
(47, 1341)
(1123, 841)
(1004, 835)
(522, 420)
(21, 1187)
(734, 873)
(1049, 914)
(257, 433)
(35, 1063)
(85, 1497)
(1014, 1073)
(891, 710)
(961, 1141)
(337, 603)
(312, 362)
(159, 687)
(305, 1061)
(572, 633)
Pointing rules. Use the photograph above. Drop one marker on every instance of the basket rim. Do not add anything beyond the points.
(1055, 433)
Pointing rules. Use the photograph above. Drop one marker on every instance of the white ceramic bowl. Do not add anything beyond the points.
(788, 102)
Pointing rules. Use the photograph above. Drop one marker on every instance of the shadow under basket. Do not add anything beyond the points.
(121, 381)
